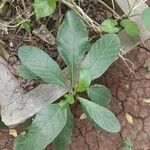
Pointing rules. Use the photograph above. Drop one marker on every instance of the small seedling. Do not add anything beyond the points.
(131, 28)
(109, 26)
(55, 122)
(128, 144)
(46, 8)
(24, 24)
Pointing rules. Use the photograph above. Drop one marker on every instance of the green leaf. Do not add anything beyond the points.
(84, 81)
(26, 125)
(109, 26)
(64, 138)
(101, 116)
(69, 98)
(101, 55)
(82, 86)
(131, 27)
(99, 94)
(145, 17)
(37, 64)
(26, 25)
(128, 144)
(26, 73)
(44, 8)
(72, 38)
(46, 126)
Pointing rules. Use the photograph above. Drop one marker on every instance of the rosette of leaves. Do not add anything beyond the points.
(55, 122)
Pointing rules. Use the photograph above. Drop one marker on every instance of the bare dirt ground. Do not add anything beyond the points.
(128, 90)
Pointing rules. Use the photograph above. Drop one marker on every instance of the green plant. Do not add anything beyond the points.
(24, 24)
(44, 8)
(55, 122)
(128, 144)
(47, 7)
(109, 26)
(132, 28)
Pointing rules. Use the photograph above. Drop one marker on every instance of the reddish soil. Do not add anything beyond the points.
(5, 140)
(128, 90)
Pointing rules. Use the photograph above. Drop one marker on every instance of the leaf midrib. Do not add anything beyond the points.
(52, 74)
(51, 118)
(101, 55)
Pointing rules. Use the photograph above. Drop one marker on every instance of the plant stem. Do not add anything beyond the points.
(135, 15)
(132, 8)
(23, 4)
(126, 16)
(127, 63)
(110, 9)
(91, 23)
(113, 6)
(2, 5)
(129, 5)
(71, 4)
